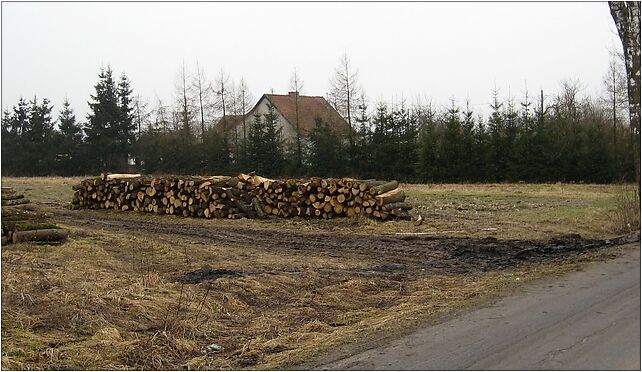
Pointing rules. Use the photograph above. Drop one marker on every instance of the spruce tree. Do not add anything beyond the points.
(104, 125)
(70, 145)
(326, 154)
(468, 155)
(272, 145)
(450, 151)
(265, 149)
(428, 142)
(38, 139)
(496, 128)
(125, 127)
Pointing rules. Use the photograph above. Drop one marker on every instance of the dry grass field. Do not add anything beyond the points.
(140, 291)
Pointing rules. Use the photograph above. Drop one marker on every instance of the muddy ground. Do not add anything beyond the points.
(399, 254)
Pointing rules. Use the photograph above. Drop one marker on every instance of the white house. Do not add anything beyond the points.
(237, 127)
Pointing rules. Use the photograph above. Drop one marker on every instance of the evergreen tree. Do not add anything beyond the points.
(217, 150)
(468, 155)
(496, 128)
(427, 153)
(70, 159)
(126, 127)
(383, 144)
(104, 126)
(361, 159)
(451, 149)
(326, 155)
(405, 124)
(39, 138)
(481, 153)
(265, 149)
(510, 137)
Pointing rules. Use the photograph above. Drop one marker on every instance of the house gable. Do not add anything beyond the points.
(310, 108)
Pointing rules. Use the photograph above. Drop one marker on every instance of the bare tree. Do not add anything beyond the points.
(627, 20)
(234, 108)
(344, 88)
(244, 100)
(203, 95)
(160, 120)
(222, 92)
(615, 86)
(296, 85)
(184, 102)
(141, 114)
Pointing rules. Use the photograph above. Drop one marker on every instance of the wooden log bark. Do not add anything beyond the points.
(392, 196)
(121, 176)
(46, 235)
(376, 190)
(248, 194)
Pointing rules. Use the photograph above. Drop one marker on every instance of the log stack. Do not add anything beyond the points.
(243, 195)
(23, 222)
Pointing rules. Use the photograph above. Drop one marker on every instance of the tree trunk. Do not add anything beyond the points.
(46, 235)
(627, 20)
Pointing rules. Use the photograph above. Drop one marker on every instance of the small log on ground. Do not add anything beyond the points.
(23, 207)
(46, 235)
(12, 196)
(15, 202)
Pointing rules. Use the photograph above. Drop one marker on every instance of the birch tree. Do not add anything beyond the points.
(627, 20)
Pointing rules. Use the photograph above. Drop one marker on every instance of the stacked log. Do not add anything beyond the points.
(244, 195)
(22, 222)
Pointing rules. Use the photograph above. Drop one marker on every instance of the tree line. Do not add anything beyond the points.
(559, 137)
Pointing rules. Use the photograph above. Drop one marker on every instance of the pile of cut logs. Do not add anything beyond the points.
(244, 195)
(23, 222)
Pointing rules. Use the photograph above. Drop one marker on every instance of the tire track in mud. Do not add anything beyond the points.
(445, 255)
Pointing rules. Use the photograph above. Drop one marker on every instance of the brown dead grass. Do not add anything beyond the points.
(109, 300)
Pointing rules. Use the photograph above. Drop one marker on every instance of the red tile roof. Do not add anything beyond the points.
(310, 107)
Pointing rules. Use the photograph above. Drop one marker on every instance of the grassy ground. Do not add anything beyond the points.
(110, 300)
(506, 211)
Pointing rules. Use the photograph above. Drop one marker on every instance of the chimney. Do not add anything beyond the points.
(293, 94)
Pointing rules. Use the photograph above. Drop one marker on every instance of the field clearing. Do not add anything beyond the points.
(140, 291)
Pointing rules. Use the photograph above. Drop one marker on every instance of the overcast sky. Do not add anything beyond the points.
(432, 50)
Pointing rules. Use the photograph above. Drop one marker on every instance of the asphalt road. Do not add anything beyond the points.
(588, 320)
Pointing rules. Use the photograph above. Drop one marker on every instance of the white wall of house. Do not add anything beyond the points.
(288, 132)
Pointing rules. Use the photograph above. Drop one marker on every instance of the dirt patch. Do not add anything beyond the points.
(206, 274)
(418, 254)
